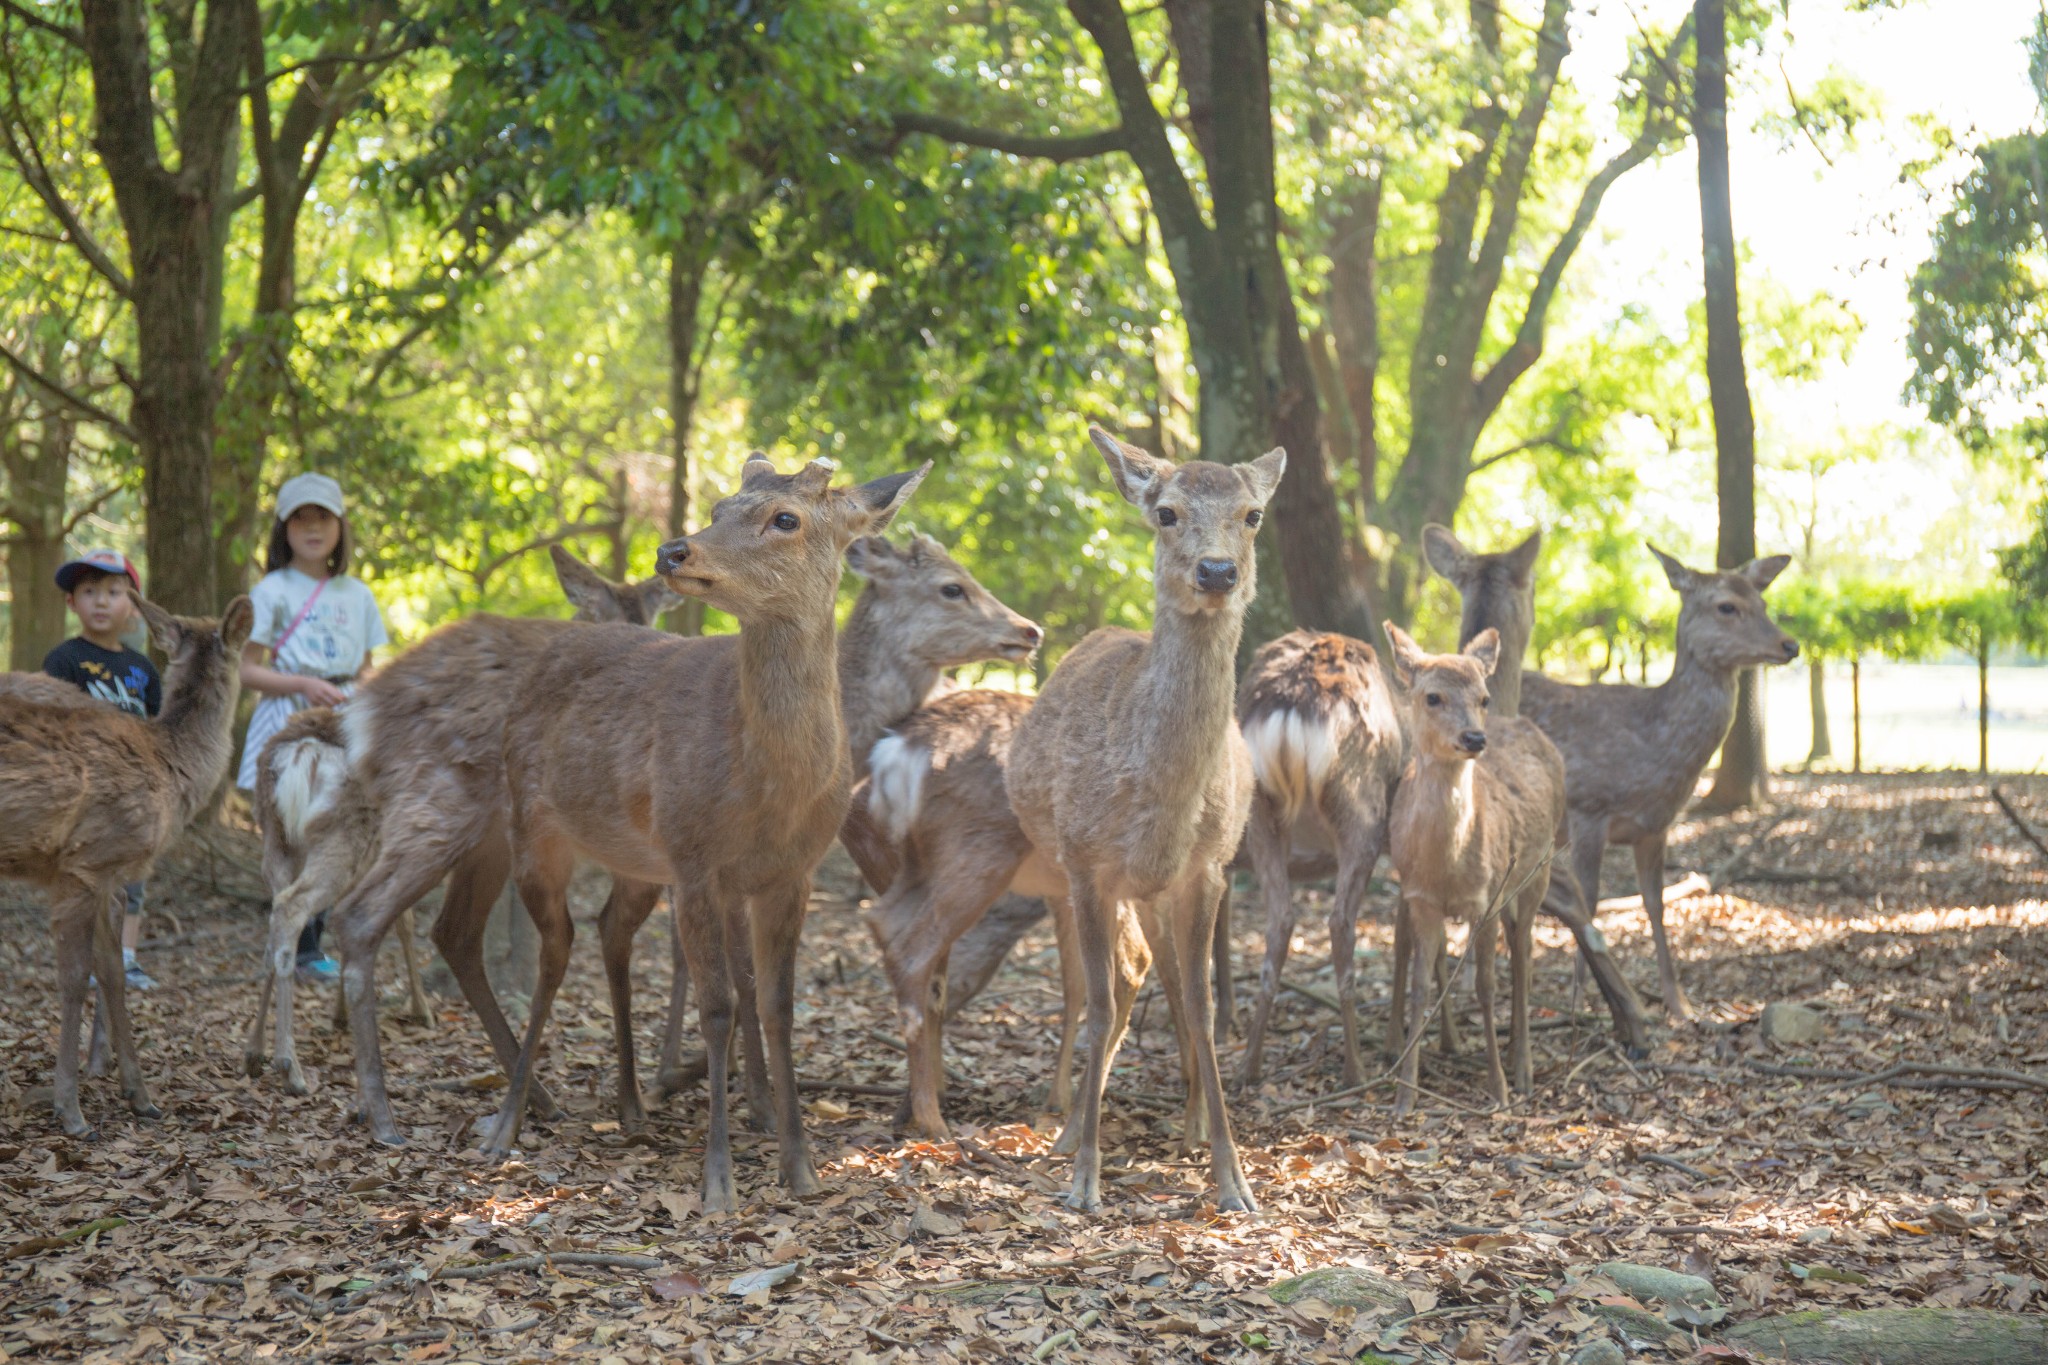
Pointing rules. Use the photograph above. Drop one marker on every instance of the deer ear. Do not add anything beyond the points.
(585, 588)
(656, 597)
(1263, 474)
(757, 466)
(1443, 552)
(925, 550)
(1762, 572)
(164, 629)
(1404, 654)
(870, 556)
(1522, 558)
(1138, 474)
(1676, 574)
(1484, 649)
(872, 506)
(236, 623)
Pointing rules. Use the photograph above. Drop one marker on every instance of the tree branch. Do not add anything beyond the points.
(28, 159)
(1077, 147)
(343, 59)
(84, 407)
(92, 505)
(37, 21)
(1552, 438)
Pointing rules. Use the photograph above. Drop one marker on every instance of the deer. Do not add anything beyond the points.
(717, 766)
(1633, 755)
(919, 613)
(89, 797)
(1475, 822)
(319, 835)
(1128, 775)
(1327, 749)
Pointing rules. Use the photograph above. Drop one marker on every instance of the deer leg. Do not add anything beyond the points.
(1162, 921)
(1404, 958)
(1268, 842)
(419, 1010)
(1224, 968)
(778, 922)
(1649, 852)
(1521, 959)
(1094, 938)
(676, 1074)
(289, 913)
(1426, 937)
(106, 943)
(1359, 853)
(543, 867)
(625, 910)
(1193, 925)
(739, 962)
(1445, 985)
(1484, 934)
(72, 927)
(474, 887)
(1073, 1007)
(1563, 900)
(700, 925)
(1130, 964)
(96, 1051)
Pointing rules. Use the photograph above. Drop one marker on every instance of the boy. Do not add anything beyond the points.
(96, 588)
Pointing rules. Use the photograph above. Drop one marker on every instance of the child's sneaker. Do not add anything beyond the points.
(322, 969)
(138, 979)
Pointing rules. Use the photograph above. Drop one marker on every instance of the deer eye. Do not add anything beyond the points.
(1253, 517)
(1434, 699)
(1726, 608)
(786, 521)
(1168, 517)
(1485, 702)
(953, 590)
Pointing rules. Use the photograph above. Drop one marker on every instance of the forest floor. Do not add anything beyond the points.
(1906, 910)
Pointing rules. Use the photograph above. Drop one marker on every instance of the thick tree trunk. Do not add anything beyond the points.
(37, 474)
(1822, 745)
(1984, 703)
(687, 263)
(1740, 781)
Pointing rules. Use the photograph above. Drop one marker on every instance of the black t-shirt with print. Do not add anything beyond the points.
(120, 676)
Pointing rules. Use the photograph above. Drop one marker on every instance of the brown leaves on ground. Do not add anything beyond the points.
(248, 1224)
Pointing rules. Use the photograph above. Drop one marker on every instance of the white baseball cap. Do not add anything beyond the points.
(308, 490)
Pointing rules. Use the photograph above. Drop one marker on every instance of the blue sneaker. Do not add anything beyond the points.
(322, 969)
(138, 979)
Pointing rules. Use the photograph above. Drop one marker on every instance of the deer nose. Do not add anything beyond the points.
(1791, 649)
(1216, 575)
(1033, 636)
(1473, 741)
(671, 556)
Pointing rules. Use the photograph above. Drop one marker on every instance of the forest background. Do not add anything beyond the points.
(541, 273)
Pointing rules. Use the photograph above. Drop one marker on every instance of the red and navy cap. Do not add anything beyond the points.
(97, 561)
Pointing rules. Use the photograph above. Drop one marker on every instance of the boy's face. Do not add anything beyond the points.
(313, 532)
(100, 601)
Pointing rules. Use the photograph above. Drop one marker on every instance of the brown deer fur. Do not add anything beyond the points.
(1497, 591)
(1475, 823)
(1327, 749)
(1634, 754)
(90, 796)
(320, 834)
(718, 766)
(1130, 772)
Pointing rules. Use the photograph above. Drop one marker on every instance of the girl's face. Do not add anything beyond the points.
(312, 532)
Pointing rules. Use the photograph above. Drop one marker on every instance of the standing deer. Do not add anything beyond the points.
(1327, 750)
(1634, 754)
(919, 614)
(320, 829)
(1474, 824)
(89, 796)
(716, 765)
(1130, 772)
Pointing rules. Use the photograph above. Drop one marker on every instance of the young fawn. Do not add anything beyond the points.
(1327, 749)
(918, 614)
(718, 766)
(90, 796)
(1474, 825)
(1130, 772)
(1497, 591)
(1634, 754)
(319, 835)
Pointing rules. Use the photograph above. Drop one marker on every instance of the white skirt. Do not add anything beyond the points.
(266, 720)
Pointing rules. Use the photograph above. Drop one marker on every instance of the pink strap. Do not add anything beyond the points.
(278, 648)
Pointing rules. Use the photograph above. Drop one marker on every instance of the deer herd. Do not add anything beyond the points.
(718, 771)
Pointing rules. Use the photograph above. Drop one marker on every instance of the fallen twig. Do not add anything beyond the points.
(882, 1092)
(1659, 1159)
(63, 1239)
(1091, 1258)
(1690, 885)
(553, 1258)
(2019, 822)
(1913, 1076)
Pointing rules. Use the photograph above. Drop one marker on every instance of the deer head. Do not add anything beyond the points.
(597, 598)
(1445, 693)
(941, 616)
(196, 647)
(1495, 588)
(1204, 518)
(1722, 620)
(772, 549)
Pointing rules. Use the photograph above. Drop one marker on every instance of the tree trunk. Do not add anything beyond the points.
(1817, 693)
(38, 472)
(1740, 782)
(174, 221)
(1856, 714)
(687, 263)
(1984, 702)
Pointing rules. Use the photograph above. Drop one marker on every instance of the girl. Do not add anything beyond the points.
(315, 628)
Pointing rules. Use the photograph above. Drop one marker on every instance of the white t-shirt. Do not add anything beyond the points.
(336, 635)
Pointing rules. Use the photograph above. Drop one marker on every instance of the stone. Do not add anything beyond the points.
(1342, 1286)
(1791, 1024)
(1654, 1282)
(1600, 1353)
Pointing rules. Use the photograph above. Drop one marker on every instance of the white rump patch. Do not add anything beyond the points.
(309, 777)
(1292, 756)
(896, 774)
(357, 720)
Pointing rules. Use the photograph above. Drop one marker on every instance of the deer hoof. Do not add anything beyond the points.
(145, 1108)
